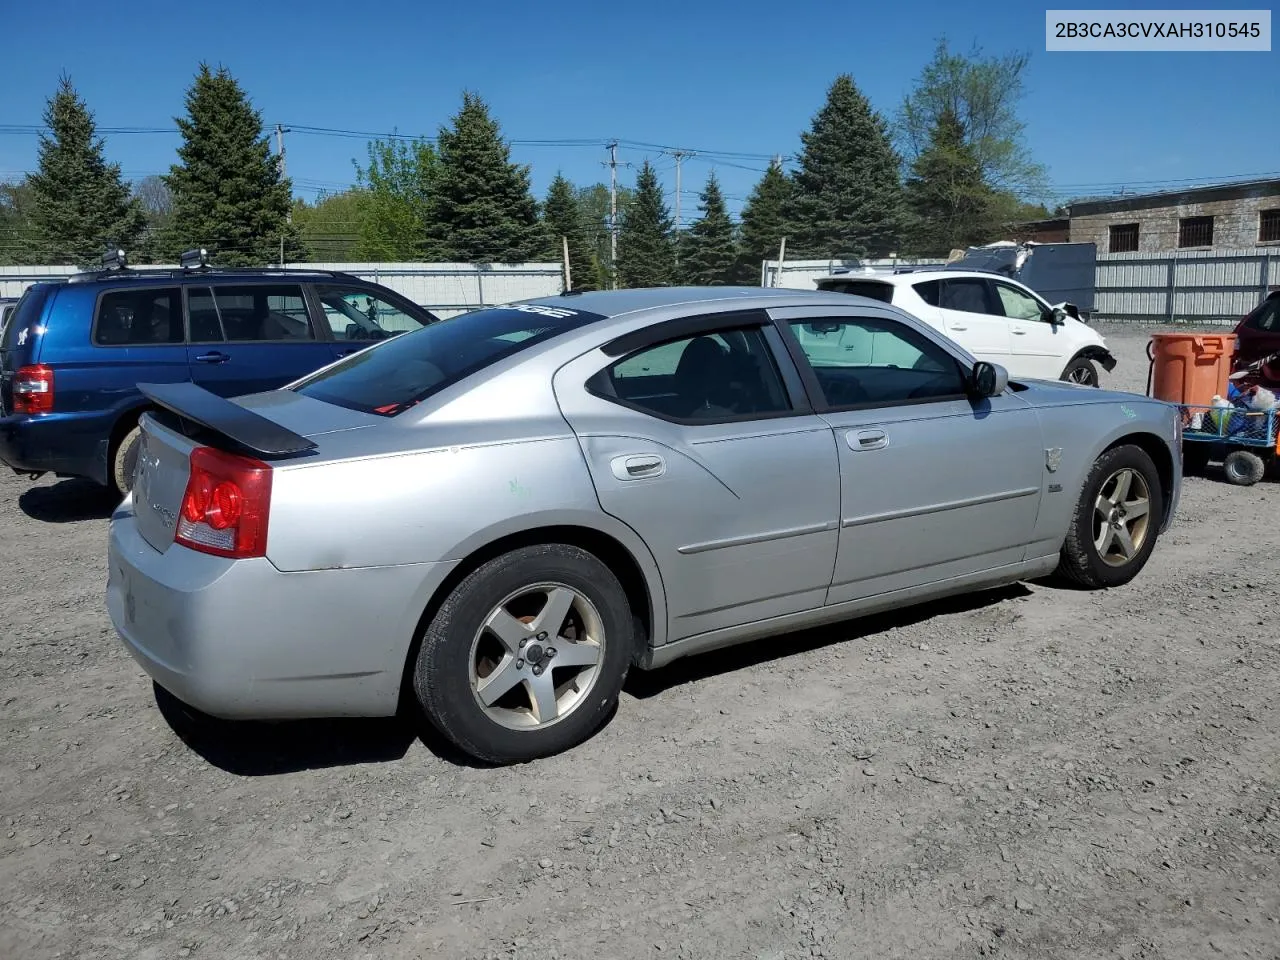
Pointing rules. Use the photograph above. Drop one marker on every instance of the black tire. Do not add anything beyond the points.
(442, 676)
(124, 463)
(1243, 468)
(1195, 458)
(1080, 560)
(1081, 370)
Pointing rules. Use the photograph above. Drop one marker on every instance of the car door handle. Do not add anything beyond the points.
(957, 326)
(638, 467)
(213, 357)
(867, 439)
(1019, 332)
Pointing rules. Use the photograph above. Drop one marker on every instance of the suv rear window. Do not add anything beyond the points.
(392, 376)
(873, 289)
(12, 314)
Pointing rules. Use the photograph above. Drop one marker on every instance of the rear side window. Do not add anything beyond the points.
(134, 317)
(394, 375)
(928, 291)
(250, 313)
(970, 295)
(863, 288)
(726, 375)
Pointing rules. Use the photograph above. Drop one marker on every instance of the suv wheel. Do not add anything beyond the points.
(1082, 371)
(124, 463)
(526, 657)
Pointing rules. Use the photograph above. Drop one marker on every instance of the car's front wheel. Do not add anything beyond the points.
(1117, 520)
(1082, 371)
(527, 655)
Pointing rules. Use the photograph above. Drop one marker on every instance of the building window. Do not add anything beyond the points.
(1195, 232)
(1269, 226)
(1124, 238)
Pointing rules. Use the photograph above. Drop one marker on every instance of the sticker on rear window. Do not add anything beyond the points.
(558, 312)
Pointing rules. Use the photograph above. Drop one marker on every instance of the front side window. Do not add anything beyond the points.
(394, 375)
(1018, 304)
(131, 317)
(725, 375)
(970, 295)
(870, 362)
(249, 313)
(356, 314)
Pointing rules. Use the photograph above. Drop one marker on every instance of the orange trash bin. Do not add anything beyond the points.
(1190, 368)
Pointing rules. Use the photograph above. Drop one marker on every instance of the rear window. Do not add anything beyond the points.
(21, 317)
(862, 288)
(398, 373)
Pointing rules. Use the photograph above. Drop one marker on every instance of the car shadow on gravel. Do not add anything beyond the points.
(70, 501)
(643, 684)
(261, 749)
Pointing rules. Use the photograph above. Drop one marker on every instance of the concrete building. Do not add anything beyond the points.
(1224, 217)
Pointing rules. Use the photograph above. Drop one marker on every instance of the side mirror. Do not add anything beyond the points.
(987, 379)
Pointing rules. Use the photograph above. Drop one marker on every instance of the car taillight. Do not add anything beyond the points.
(33, 389)
(226, 505)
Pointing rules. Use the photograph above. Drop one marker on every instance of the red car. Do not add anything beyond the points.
(1258, 338)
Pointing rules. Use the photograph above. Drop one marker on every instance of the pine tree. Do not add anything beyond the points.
(483, 211)
(563, 218)
(646, 251)
(763, 222)
(229, 193)
(950, 204)
(848, 198)
(710, 252)
(79, 203)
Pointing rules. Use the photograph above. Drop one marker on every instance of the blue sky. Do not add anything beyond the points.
(738, 78)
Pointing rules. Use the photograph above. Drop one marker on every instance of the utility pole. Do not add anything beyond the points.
(613, 213)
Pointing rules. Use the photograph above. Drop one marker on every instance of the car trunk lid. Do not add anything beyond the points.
(275, 427)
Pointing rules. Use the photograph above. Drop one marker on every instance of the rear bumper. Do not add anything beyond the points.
(53, 443)
(239, 639)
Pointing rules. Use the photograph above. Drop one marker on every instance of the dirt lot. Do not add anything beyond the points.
(1032, 773)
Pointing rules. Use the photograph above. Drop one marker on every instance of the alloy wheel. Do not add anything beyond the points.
(1121, 517)
(537, 655)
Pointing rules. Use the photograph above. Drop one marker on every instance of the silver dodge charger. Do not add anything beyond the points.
(500, 514)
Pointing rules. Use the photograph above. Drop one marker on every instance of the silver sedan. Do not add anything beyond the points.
(502, 513)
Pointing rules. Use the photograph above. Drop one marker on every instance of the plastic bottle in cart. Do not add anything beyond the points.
(1220, 414)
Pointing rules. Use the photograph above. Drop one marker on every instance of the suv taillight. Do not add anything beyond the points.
(226, 505)
(33, 389)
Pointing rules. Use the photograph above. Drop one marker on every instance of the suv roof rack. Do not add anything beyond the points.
(115, 264)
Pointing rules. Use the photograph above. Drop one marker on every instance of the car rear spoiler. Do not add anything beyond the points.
(246, 428)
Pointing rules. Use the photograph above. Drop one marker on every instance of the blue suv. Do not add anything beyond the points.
(73, 351)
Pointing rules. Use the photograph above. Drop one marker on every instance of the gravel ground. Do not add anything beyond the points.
(1035, 772)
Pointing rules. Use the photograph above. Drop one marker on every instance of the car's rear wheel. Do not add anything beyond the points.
(1116, 522)
(527, 655)
(124, 462)
(1082, 371)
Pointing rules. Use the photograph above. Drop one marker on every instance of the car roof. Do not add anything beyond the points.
(918, 276)
(616, 303)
